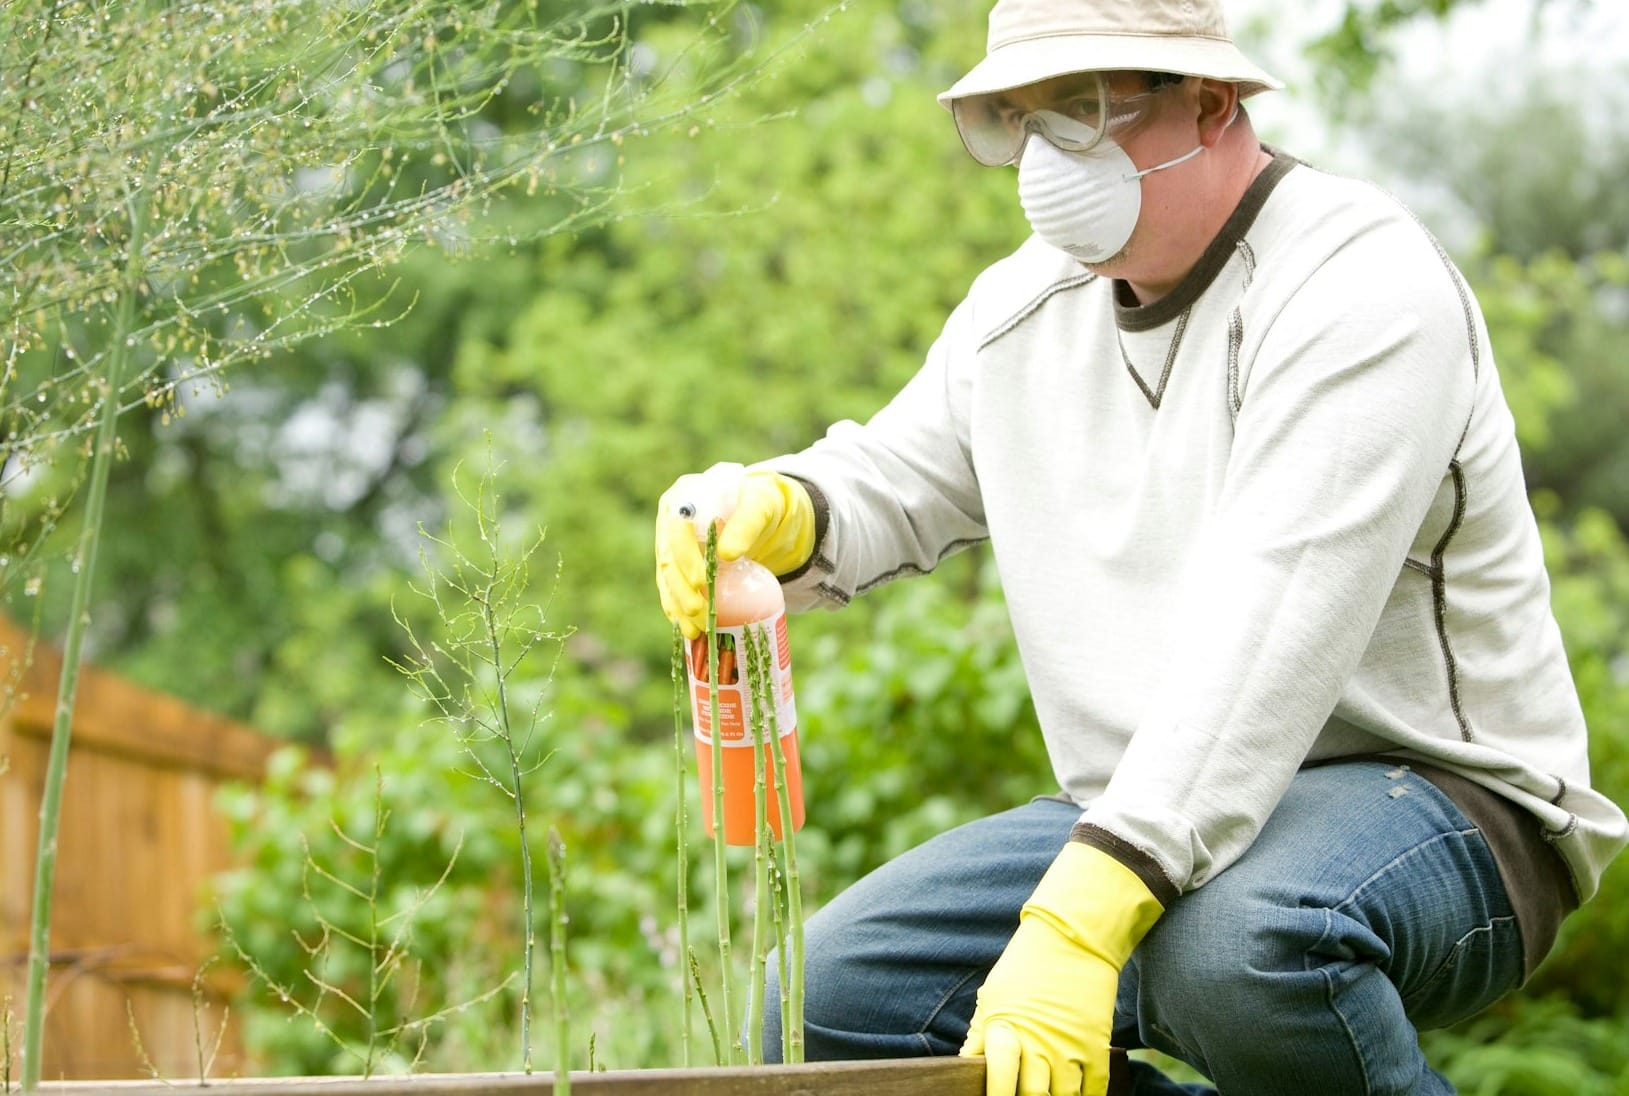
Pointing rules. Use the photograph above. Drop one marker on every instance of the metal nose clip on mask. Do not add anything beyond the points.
(1084, 203)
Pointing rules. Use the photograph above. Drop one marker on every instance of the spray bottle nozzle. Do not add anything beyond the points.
(708, 497)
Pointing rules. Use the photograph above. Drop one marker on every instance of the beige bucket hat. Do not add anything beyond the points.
(1034, 40)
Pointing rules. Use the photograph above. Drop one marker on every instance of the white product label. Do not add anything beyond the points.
(736, 705)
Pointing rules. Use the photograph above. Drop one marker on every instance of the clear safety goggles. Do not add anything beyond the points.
(1078, 114)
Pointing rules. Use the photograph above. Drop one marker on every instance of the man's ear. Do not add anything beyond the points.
(1218, 105)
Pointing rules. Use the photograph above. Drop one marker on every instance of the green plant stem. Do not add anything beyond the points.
(706, 1012)
(681, 765)
(721, 867)
(755, 670)
(529, 936)
(56, 771)
(375, 961)
(761, 653)
(792, 983)
(205, 1061)
(557, 962)
(779, 896)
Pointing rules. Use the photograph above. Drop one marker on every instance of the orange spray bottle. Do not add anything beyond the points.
(748, 601)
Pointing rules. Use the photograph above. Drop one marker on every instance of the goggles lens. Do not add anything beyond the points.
(1075, 118)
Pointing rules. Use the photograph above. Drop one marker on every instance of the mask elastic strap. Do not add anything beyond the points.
(1132, 178)
(1135, 175)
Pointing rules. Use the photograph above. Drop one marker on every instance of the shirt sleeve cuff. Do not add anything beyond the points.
(1144, 866)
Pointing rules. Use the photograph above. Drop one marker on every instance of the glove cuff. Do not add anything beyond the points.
(1096, 901)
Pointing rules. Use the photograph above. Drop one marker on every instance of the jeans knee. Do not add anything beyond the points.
(1218, 978)
(1188, 971)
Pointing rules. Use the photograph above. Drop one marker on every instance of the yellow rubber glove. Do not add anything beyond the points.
(773, 522)
(1045, 1012)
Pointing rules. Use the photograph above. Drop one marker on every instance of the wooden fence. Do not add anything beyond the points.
(139, 840)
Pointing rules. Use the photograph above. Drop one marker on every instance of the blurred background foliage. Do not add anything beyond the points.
(779, 261)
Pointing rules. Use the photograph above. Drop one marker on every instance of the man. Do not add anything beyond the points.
(1233, 430)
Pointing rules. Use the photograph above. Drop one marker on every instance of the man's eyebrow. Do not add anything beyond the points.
(1083, 82)
(1050, 91)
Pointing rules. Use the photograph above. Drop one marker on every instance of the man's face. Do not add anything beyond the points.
(1145, 119)
(1157, 121)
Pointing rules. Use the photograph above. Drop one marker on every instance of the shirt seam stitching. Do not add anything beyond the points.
(1034, 303)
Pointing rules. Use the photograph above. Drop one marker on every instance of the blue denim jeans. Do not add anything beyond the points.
(1368, 908)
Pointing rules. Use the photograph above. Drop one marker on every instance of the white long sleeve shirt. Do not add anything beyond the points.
(1276, 517)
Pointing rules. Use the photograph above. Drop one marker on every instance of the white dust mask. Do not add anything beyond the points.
(1085, 203)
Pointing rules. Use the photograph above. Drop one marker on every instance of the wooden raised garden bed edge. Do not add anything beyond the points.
(947, 1076)
(901, 1077)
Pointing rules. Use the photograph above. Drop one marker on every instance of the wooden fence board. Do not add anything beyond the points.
(139, 840)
